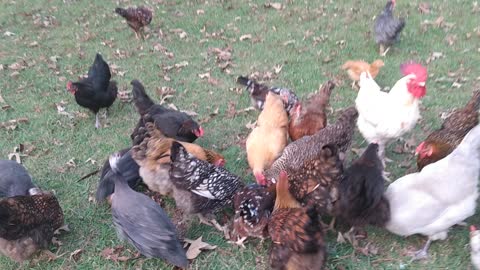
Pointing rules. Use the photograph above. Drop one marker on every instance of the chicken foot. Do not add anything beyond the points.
(215, 224)
(383, 50)
(239, 242)
(422, 253)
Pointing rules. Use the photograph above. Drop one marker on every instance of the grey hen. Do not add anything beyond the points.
(387, 28)
(141, 221)
(200, 187)
(14, 179)
(106, 186)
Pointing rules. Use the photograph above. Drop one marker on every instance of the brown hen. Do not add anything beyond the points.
(307, 120)
(443, 141)
(27, 224)
(316, 182)
(137, 18)
(296, 233)
(153, 157)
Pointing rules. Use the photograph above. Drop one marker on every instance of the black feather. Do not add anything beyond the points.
(362, 189)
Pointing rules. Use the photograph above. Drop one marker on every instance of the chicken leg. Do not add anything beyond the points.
(97, 121)
(422, 253)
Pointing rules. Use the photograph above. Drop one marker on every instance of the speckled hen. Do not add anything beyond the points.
(253, 206)
(200, 187)
(27, 224)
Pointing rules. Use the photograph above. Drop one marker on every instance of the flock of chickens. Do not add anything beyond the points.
(296, 157)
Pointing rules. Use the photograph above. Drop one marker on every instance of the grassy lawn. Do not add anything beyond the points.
(55, 41)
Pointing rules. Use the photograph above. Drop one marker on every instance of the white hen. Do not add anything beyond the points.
(443, 194)
(384, 116)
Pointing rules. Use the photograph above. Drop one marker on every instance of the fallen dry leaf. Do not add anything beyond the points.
(196, 247)
(116, 254)
(231, 110)
(12, 124)
(75, 255)
(244, 37)
(276, 6)
(424, 8)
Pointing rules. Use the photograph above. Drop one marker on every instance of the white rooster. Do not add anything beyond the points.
(384, 116)
(443, 194)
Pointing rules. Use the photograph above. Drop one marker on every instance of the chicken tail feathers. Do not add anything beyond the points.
(245, 81)
(122, 12)
(5, 214)
(325, 92)
(140, 98)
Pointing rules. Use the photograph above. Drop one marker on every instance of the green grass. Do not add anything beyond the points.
(80, 29)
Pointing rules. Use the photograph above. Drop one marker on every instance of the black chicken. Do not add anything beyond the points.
(141, 221)
(14, 179)
(387, 28)
(362, 189)
(96, 91)
(172, 123)
(200, 187)
(106, 186)
(27, 224)
(137, 18)
(258, 93)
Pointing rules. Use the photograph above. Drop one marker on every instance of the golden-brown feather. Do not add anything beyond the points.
(268, 139)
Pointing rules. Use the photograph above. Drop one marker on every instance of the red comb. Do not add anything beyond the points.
(414, 68)
(419, 147)
(472, 228)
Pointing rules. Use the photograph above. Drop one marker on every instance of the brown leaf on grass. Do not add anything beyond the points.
(12, 124)
(222, 54)
(196, 247)
(18, 65)
(181, 64)
(424, 8)
(213, 81)
(125, 96)
(71, 163)
(289, 42)
(117, 254)
(75, 255)
(181, 33)
(1, 99)
(277, 68)
(276, 6)
(6, 107)
(231, 110)
(200, 11)
(245, 37)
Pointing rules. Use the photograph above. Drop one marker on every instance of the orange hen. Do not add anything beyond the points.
(268, 139)
(356, 67)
